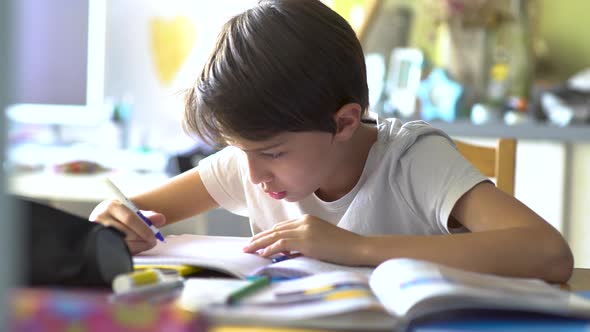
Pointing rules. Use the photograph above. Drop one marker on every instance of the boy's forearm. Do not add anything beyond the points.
(544, 255)
(181, 197)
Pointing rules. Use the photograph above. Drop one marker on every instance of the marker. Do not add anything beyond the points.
(247, 290)
(127, 281)
(133, 208)
(153, 292)
(272, 279)
(181, 270)
(284, 257)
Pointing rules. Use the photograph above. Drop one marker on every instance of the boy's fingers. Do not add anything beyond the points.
(110, 222)
(138, 236)
(130, 235)
(133, 222)
(138, 246)
(158, 219)
(280, 246)
(285, 225)
(266, 241)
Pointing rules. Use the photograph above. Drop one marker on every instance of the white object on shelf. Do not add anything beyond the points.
(482, 114)
(580, 81)
(404, 79)
(513, 118)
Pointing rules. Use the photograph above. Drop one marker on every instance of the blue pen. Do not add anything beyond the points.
(284, 257)
(133, 208)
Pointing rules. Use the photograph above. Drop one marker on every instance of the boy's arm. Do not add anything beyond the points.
(181, 197)
(506, 238)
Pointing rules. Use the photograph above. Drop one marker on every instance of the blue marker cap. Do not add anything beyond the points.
(284, 257)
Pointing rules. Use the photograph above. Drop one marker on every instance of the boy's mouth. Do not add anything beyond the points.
(277, 195)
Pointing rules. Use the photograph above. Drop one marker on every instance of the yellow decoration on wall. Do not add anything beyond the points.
(352, 10)
(171, 43)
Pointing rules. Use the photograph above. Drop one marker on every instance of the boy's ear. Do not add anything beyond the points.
(347, 120)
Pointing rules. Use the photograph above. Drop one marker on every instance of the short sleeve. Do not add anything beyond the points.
(432, 176)
(222, 176)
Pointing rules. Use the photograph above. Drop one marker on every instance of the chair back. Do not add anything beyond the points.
(497, 162)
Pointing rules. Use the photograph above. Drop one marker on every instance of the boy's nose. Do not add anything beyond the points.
(259, 177)
(258, 174)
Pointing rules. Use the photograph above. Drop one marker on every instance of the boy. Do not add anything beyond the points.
(285, 88)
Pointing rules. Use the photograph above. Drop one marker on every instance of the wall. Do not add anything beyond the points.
(564, 26)
(578, 208)
(186, 32)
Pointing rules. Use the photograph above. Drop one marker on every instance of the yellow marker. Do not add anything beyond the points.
(127, 281)
(348, 294)
(317, 290)
(181, 270)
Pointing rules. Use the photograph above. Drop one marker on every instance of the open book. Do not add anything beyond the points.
(224, 254)
(398, 292)
(332, 296)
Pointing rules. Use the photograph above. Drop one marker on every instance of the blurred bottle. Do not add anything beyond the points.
(120, 119)
(114, 133)
(511, 69)
(498, 84)
(521, 76)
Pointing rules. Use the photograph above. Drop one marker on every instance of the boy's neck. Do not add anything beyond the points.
(350, 164)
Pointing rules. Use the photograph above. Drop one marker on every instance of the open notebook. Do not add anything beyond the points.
(224, 254)
(391, 296)
(399, 292)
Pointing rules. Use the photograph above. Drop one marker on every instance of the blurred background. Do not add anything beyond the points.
(97, 90)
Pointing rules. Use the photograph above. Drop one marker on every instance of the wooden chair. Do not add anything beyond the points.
(497, 162)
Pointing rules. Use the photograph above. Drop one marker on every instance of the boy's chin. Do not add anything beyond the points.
(293, 198)
(297, 197)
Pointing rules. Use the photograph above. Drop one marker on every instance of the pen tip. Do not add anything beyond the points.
(160, 237)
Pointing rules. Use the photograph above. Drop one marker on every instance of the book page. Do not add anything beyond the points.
(304, 266)
(221, 253)
(224, 254)
(412, 288)
(199, 293)
(328, 300)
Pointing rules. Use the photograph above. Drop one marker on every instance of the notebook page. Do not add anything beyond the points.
(319, 295)
(305, 266)
(221, 253)
(336, 301)
(414, 287)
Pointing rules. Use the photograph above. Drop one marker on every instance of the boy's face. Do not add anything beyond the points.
(290, 165)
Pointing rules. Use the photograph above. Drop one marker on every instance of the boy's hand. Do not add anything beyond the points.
(138, 236)
(311, 236)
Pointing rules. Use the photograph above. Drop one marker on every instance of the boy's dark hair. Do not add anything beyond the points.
(284, 65)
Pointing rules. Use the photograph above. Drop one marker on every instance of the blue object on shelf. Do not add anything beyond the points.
(439, 96)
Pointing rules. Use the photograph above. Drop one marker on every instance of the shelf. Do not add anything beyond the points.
(534, 131)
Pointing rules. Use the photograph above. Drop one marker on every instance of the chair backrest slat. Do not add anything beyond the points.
(498, 162)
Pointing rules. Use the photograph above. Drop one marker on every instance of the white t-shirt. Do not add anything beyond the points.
(411, 181)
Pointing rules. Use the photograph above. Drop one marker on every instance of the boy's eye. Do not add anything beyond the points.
(273, 155)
